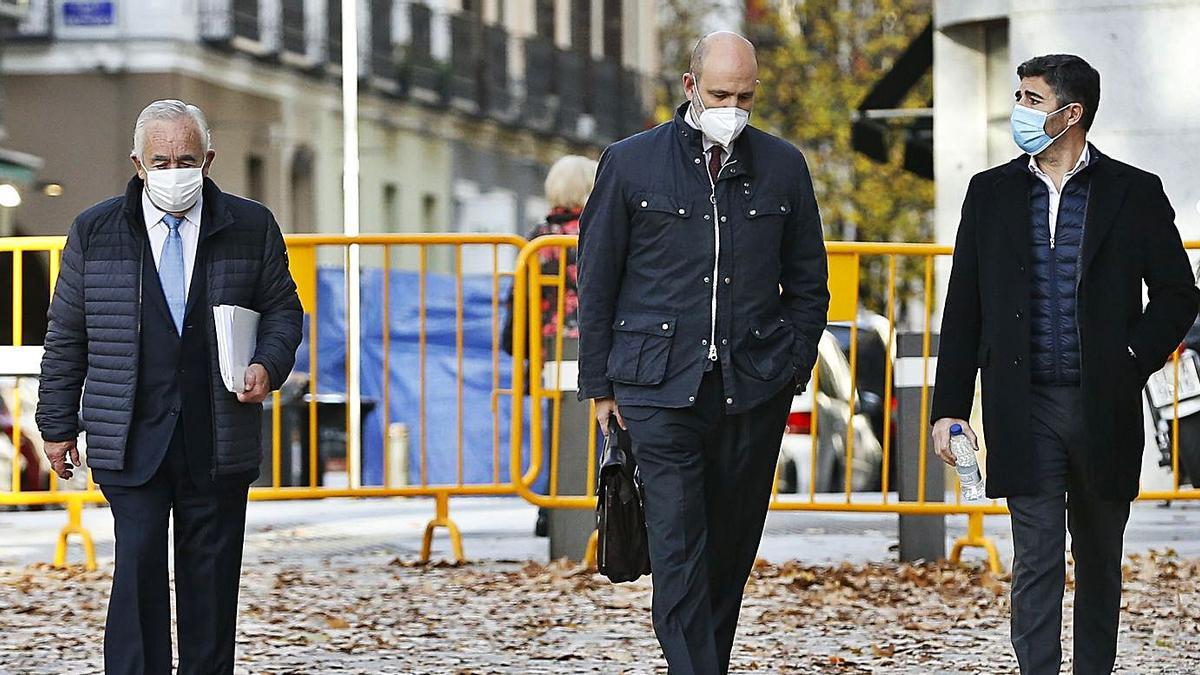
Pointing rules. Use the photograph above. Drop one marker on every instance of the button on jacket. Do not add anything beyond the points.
(658, 240)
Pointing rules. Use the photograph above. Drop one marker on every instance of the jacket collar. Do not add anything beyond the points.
(215, 217)
(1020, 164)
(691, 141)
(1105, 195)
(1108, 189)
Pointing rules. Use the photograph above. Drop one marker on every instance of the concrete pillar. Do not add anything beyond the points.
(921, 537)
(569, 529)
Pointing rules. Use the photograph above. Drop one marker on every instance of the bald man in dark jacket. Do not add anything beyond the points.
(702, 297)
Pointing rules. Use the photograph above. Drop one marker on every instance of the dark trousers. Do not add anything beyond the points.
(210, 525)
(708, 480)
(1039, 526)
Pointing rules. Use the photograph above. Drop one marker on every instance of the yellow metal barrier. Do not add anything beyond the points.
(21, 464)
(420, 253)
(849, 263)
(424, 254)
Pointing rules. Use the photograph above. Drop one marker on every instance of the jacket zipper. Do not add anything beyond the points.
(1057, 313)
(141, 275)
(712, 198)
(137, 343)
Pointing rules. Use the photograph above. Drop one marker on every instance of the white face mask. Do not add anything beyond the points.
(721, 125)
(174, 190)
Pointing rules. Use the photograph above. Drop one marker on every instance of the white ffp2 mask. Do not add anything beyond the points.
(721, 125)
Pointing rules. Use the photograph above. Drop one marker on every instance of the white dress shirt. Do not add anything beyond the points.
(1056, 192)
(189, 231)
(708, 144)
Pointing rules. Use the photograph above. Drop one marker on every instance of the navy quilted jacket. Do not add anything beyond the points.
(1054, 331)
(93, 334)
(659, 240)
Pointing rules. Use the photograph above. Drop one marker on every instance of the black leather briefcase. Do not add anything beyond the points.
(623, 553)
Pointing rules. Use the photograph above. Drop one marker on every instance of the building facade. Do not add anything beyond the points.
(464, 104)
(18, 170)
(1149, 114)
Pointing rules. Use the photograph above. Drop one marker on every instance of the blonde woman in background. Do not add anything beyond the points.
(568, 185)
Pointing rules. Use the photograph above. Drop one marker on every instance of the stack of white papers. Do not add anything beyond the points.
(237, 336)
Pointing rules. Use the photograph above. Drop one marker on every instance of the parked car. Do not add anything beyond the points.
(34, 475)
(834, 417)
(871, 367)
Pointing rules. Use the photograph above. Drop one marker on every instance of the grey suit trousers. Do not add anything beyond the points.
(1039, 524)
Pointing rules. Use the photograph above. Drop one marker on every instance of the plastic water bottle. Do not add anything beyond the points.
(966, 464)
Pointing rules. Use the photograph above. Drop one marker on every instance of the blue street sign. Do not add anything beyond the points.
(89, 13)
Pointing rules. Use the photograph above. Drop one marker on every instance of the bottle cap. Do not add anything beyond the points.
(956, 430)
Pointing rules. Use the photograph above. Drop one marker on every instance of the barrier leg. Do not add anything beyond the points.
(589, 553)
(75, 526)
(975, 539)
(442, 519)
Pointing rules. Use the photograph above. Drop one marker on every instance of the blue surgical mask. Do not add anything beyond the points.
(1029, 128)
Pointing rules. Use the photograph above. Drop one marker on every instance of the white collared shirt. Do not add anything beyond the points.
(708, 144)
(1056, 192)
(189, 231)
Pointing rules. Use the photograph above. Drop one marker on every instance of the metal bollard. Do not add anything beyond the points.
(569, 529)
(921, 537)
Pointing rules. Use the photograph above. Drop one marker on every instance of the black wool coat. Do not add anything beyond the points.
(1129, 238)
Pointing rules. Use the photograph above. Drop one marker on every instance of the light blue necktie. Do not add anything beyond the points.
(170, 271)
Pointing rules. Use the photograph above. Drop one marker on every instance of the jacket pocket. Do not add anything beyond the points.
(767, 205)
(640, 348)
(769, 348)
(1134, 365)
(658, 202)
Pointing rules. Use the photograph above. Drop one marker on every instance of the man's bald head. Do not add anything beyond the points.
(725, 46)
(724, 71)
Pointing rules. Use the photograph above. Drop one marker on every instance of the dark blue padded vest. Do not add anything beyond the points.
(1054, 346)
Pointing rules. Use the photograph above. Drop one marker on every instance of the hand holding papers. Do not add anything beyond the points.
(237, 335)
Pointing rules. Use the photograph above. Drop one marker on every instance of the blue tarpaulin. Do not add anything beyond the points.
(443, 416)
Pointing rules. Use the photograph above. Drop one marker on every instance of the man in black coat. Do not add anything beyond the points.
(1045, 299)
(131, 327)
(702, 296)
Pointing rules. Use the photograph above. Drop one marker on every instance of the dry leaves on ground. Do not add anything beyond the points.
(374, 615)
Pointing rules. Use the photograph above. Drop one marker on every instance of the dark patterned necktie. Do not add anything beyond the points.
(714, 163)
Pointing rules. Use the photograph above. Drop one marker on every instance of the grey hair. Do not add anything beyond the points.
(169, 109)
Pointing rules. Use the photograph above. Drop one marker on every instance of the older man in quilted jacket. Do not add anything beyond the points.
(131, 331)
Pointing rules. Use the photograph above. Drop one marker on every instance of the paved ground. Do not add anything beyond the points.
(501, 529)
(330, 587)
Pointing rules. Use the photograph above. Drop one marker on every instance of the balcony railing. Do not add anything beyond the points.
(440, 58)
(13, 10)
(246, 20)
(295, 35)
(36, 22)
